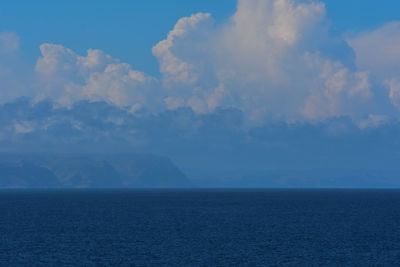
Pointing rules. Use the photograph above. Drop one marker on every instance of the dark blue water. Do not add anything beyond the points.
(208, 228)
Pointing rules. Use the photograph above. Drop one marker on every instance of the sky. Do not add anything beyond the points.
(128, 29)
(124, 29)
(295, 83)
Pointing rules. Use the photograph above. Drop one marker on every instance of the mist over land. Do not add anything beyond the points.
(207, 150)
(89, 171)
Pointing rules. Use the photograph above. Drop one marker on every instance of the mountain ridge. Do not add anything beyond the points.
(89, 171)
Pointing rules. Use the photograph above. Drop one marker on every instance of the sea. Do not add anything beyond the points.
(200, 227)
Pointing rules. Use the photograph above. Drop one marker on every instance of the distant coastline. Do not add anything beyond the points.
(89, 171)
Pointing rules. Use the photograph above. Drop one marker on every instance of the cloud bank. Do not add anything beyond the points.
(220, 140)
(272, 59)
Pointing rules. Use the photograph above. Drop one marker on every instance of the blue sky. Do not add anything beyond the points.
(125, 29)
(128, 29)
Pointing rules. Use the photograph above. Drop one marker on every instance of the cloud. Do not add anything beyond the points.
(342, 92)
(23, 127)
(378, 53)
(67, 77)
(270, 60)
(174, 69)
(394, 94)
(221, 138)
(374, 121)
(378, 50)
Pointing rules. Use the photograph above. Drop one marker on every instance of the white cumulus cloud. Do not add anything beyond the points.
(378, 52)
(67, 77)
(270, 59)
(175, 69)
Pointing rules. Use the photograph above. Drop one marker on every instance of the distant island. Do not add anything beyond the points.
(89, 171)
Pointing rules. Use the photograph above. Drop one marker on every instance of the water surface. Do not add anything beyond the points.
(200, 227)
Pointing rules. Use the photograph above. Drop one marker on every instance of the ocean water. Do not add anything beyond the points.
(200, 227)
